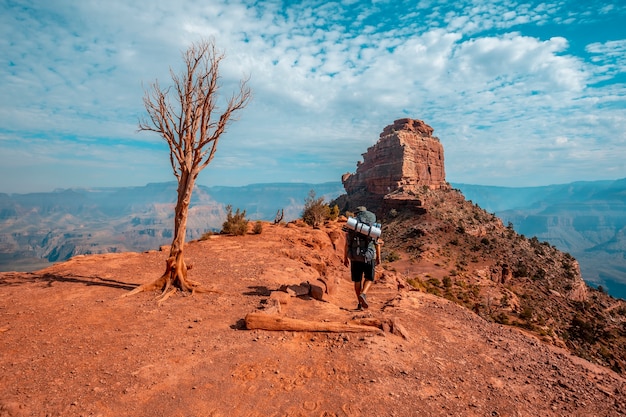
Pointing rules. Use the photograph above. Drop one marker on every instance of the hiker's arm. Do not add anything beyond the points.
(346, 262)
(379, 243)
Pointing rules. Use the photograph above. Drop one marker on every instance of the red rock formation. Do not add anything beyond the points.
(406, 157)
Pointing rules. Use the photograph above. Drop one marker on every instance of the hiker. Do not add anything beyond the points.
(363, 254)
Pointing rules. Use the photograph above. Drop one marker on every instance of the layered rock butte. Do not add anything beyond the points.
(406, 157)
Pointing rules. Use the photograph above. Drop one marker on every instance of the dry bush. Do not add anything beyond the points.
(235, 224)
(315, 210)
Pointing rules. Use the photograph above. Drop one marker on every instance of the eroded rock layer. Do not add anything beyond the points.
(405, 158)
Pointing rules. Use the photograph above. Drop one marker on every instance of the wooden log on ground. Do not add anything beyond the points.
(264, 321)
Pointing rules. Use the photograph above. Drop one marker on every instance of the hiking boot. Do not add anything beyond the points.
(359, 307)
(363, 300)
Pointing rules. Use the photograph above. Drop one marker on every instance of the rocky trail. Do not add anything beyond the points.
(71, 345)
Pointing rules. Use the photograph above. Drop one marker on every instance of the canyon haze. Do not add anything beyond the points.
(585, 219)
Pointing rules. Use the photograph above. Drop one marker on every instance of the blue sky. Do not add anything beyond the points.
(519, 93)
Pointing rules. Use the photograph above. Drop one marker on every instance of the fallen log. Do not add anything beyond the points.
(264, 321)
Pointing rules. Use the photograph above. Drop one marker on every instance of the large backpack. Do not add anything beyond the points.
(361, 248)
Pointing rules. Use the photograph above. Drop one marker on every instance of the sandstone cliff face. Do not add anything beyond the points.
(405, 158)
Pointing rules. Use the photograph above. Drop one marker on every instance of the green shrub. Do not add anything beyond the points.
(235, 224)
(434, 281)
(527, 313)
(415, 283)
(433, 291)
(315, 210)
(258, 227)
(334, 213)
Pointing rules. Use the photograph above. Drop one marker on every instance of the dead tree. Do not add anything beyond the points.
(280, 214)
(189, 124)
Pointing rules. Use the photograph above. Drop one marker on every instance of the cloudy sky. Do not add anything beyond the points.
(520, 93)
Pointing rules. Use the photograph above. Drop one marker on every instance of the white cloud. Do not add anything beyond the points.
(326, 80)
(560, 140)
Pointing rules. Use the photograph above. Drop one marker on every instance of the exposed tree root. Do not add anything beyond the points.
(173, 280)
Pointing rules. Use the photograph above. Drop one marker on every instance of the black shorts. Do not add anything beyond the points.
(360, 270)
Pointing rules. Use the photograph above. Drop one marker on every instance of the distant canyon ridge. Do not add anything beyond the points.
(585, 219)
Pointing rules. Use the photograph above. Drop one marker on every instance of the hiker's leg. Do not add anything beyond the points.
(369, 274)
(356, 274)
(366, 286)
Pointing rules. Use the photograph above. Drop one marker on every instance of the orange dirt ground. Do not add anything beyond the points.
(70, 345)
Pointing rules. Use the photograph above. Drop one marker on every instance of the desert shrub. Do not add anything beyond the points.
(334, 213)
(527, 313)
(447, 281)
(315, 210)
(258, 227)
(434, 291)
(539, 274)
(235, 224)
(501, 318)
(392, 256)
(568, 266)
(475, 289)
(586, 331)
(434, 281)
(520, 270)
(504, 300)
(207, 235)
(448, 295)
(415, 283)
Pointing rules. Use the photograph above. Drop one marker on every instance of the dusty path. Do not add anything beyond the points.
(70, 346)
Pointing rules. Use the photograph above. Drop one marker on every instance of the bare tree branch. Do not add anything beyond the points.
(185, 117)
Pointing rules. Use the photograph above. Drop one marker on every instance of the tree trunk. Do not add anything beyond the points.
(175, 275)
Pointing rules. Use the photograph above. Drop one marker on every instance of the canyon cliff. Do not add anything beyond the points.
(406, 158)
(513, 279)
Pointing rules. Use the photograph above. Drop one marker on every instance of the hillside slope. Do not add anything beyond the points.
(476, 262)
(72, 346)
(585, 219)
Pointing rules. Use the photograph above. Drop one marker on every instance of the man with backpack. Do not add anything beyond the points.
(362, 252)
